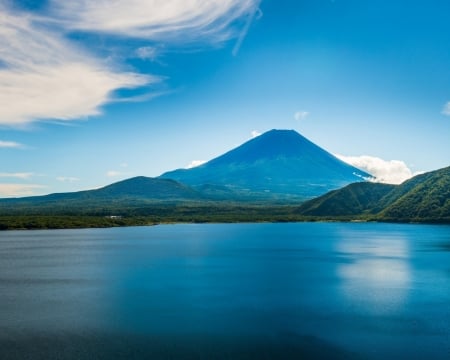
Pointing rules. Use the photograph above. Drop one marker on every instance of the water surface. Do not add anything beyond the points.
(227, 291)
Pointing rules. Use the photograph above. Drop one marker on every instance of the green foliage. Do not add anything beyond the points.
(354, 199)
(36, 222)
(427, 200)
(424, 198)
(150, 215)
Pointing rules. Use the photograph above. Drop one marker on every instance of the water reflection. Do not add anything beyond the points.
(308, 290)
(376, 276)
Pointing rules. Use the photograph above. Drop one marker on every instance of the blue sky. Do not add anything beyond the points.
(94, 92)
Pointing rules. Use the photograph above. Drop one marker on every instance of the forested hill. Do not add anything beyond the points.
(423, 198)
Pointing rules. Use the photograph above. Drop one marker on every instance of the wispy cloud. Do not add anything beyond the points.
(255, 133)
(24, 175)
(15, 190)
(256, 11)
(195, 163)
(10, 144)
(446, 109)
(123, 172)
(168, 20)
(147, 53)
(114, 173)
(46, 77)
(300, 115)
(67, 179)
(384, 171)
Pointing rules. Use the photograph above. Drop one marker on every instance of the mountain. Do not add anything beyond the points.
(134, 191)
(279, 164)
(142, 187)
(353, 199)
(142, 200)
(423, 198)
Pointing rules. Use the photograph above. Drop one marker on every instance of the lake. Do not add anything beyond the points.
(227, 291)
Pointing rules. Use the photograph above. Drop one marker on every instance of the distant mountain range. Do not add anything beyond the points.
(265, 178)
(423, 198)
(134, 192)
(279, 164)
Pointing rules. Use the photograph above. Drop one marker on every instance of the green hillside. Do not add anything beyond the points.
(120, 196)
(354, 199)
(424, 198)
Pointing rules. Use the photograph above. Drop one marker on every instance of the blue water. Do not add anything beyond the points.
(228, 291)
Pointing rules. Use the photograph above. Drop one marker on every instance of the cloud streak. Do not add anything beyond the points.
(246, 28)
(384, 171)
(67, 179)
(45, 77)
(25, 175)
(160, 20)
(147, 53)
(16, 190)
(113, 173)
(10, 145)
(300, 115)
(446, 109)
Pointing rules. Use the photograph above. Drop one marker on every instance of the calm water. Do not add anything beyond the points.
(256, 291)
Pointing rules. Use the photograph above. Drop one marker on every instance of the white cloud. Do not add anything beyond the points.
(69, 179)
(256, 12)
(10, 144)
(114, 173)
(147, 53)
(384, 171)
(195, 163)
(446, 109)
(14, 190)
(120, 173)
(174, 20)
(300, 115)
(43, 76)
(255, 133)
(25, 175)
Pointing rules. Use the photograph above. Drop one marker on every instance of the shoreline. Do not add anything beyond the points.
(41, 222)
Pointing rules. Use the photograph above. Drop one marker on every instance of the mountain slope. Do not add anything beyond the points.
(131, 191)
(142, 187)
(277, 164)
(423, 198)
(354, 199)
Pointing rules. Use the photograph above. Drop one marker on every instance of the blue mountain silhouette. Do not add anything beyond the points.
(277, 164)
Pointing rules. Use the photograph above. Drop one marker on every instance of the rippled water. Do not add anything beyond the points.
(228, 291)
